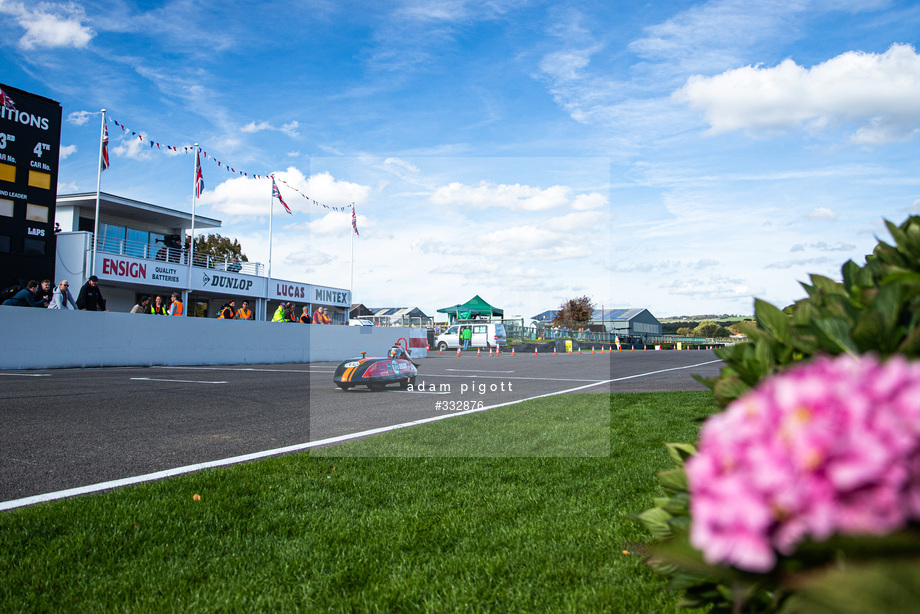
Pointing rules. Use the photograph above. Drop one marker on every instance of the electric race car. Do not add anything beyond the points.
(377, 372)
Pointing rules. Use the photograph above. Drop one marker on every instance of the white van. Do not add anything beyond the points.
(485, 335)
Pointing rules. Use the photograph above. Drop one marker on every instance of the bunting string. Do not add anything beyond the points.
(221, 164)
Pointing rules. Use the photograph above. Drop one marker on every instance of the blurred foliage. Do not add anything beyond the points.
(874, 309)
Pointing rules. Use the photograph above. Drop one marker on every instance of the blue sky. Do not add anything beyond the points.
(686, 157)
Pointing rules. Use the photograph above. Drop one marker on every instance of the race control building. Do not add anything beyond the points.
(140, 252)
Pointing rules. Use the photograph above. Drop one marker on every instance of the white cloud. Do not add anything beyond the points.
(132, 147)
(878, 91)
(402, 163)
(821, 213)
(289, 128)
(79, 118)
(594, 200)
(68, 150)
(248, 196)
(50, 25)
(515, 197)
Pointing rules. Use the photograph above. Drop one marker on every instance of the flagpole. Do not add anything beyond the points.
(271, 208)
(98, 185)
(191, 251)
(351, 285)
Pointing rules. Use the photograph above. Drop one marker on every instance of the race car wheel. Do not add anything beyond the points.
(343, 386)
(404, 383)
(442, 346)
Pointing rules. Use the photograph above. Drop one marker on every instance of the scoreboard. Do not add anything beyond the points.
(30, 143)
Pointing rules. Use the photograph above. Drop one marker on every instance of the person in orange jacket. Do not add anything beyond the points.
(175, 308)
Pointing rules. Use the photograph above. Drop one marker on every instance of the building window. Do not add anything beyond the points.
(33, 247)
(137, 243)
(112, 238)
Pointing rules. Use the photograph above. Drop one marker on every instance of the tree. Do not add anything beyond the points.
(685, 332)
(220, 248)
(711, 330)
(574, 313)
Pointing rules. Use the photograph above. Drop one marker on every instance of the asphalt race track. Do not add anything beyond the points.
(73, 428)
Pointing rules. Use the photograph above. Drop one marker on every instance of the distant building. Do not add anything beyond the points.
(633, 322)
(396, 316)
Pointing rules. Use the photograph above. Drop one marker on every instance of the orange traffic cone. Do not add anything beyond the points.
(440, 351)
(512, 351)
(479, 351)
(458, 352)
(592, 349)
(579, 349)
(554, 350)
(490, 350)
(535, 352)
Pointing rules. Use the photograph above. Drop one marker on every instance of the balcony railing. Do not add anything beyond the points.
(166, 253)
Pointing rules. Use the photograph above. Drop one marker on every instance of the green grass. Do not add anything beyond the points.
(407, 532)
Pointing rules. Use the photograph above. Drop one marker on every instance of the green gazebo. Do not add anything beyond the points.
(473, 308)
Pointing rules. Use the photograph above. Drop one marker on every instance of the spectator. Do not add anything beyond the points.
(44, 292)
(466, 333)
(175, 307)
(318, 316)
(90, 297)
(61, 297)
(281, 314)
(226, 312)
(25, 297)
(158, 308)
(143, 306)
(234, 266)
(305, 315)
(244, 312)
(326, 319)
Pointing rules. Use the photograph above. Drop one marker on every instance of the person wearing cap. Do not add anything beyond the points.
(175, 308)
(90, 297)
(326, 319)
(142, 305)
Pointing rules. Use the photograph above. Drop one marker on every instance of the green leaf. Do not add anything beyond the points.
(656, 521)
(673, 479)
(834, 335)
(679, 452)
(773, 320)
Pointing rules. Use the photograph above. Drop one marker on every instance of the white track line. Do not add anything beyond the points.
(159, 475)
(28, 374)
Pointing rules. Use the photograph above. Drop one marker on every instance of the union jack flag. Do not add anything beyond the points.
(199, 178)
(354, 220)
(276, 193)
(6, 101)
(104, 164)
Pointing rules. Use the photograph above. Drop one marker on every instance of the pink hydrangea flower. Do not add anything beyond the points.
(829, 447)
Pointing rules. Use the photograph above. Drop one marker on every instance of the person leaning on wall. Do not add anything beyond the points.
(175, 308)
(61, 298)
(143, 306)
(157, 307)
(26, 297)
